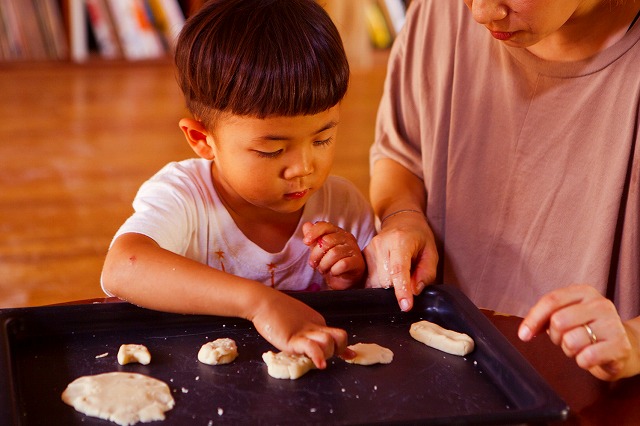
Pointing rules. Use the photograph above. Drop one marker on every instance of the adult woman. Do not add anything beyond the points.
(506, 162)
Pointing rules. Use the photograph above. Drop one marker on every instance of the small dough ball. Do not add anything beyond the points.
(370, 353)
(220, 351)
(287, 366)
(448, 341)
(123, 398)
(133, 353)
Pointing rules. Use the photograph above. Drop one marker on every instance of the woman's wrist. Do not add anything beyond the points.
(401, 211)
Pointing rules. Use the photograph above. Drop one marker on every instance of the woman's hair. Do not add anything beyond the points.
(260, 58)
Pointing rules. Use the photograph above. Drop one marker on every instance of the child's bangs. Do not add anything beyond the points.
(300, 80)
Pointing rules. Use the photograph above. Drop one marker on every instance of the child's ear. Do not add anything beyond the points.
(198, 137)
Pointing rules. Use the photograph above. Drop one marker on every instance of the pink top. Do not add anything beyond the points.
(530, 166)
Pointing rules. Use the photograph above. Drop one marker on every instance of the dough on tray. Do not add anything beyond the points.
(370, 353)
(220, 351)
(286, 366)
(133, 353)
(123, 398)
(445, 340)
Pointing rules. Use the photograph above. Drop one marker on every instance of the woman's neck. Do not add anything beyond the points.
(589, 33)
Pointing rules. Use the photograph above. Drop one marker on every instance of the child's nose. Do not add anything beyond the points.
(301, 166)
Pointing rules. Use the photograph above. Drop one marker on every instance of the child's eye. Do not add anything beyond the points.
(273, 154)
(323, 142)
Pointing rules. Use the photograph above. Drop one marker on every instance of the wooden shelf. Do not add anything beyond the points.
(34, 31)
(89, 31)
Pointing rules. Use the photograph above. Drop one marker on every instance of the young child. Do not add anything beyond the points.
(258, 211)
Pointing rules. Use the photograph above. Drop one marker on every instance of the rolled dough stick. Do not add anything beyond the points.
(448, 341)
(286, 366)
(123, 398)
(220, 351)
(369, 354)
(133, 353)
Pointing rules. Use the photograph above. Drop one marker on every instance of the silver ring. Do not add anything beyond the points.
(592, 335)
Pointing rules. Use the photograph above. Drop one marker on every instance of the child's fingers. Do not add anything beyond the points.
(320, 344)
(336, 259)
(314, 231)
(348, 354)
(311, 348)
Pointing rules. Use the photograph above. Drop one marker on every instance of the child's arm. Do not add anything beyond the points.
(138, 270)
(335, 254)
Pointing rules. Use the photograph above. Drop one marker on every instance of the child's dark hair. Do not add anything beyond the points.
(260, 58)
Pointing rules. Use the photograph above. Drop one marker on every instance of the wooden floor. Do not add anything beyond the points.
(76, 142)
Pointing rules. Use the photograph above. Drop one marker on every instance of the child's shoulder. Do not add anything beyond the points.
(193, 170)
(189, 167)
(186, 176)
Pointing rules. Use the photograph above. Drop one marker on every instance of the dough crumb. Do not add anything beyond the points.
(218, 352)
(445, 340)
(287, 366)
(102, 355)
(369, 354)
(133, 353)
(123, 398)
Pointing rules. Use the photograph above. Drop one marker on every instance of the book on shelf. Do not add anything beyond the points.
(385, 19)
(128, 29)
(103, 29)
(31, 30)
(11, 42)
(135, 29)
(394, 12)
(168, 19)
(377, 26)
(52, 30)
(138, 37)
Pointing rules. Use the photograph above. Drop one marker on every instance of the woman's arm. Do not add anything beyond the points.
(404, 253)
(587, 327)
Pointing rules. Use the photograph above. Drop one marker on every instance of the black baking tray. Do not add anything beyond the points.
(45, 348)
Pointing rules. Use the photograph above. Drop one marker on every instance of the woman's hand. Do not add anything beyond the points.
(403, 255)
(588, 328)
(293, 327)
(335, 254)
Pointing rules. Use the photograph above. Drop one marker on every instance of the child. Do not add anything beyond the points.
(258, 212)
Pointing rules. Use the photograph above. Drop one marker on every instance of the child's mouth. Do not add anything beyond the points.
(296, 195)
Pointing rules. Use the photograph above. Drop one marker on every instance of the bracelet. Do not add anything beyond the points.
(398, 212)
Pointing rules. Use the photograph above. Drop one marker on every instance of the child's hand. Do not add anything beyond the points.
(335, 254)
(294, 327)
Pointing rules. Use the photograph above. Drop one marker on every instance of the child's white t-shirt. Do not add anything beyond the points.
(180, 210)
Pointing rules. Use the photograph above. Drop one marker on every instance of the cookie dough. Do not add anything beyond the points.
(123, 398)
(220, 351)
(287, 366)
(370, 353)
(133, 353)
(448, 341)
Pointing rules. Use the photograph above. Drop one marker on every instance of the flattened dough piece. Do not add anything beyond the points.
(220, 351)
(123, 398)
(286, 366)
(445, 340)
(133, 353)
(370, 353)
